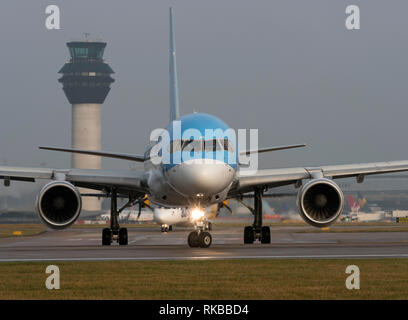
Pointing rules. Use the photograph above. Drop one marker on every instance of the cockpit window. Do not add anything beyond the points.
(175, 146)
(192, 145)
(228, 146)
(185, 143)
(212, 145)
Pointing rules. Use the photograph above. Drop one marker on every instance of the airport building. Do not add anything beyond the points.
(86, 80)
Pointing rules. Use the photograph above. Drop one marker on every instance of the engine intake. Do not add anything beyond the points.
(320, 202)
(59, 204)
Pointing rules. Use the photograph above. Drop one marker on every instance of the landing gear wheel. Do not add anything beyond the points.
(204, 239)
(170, 228)
(123, 237)
(248, 235)
(193, 239)
(106, 237)
(265, 235)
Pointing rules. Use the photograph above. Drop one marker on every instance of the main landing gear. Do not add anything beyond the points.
(257, 231)
(115, 232)
(199, 238)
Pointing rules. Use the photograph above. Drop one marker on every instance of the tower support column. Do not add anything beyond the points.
(86, 134)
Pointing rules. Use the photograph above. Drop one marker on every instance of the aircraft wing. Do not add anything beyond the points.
(98, 179)
(25, 174)
(279, 177)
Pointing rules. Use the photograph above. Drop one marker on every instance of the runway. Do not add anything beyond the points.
(84, 244)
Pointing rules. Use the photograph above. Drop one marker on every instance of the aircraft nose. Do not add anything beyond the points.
(200, 176)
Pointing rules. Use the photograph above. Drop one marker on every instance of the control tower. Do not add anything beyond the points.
(86, 80)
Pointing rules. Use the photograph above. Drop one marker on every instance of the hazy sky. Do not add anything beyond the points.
(288, 68)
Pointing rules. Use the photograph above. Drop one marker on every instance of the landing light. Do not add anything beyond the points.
(197, 214)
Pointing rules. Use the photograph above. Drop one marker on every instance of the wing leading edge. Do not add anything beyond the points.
(124, 180)
(285, 176)
(123, 156)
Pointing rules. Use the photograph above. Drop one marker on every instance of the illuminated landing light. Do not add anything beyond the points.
(197, 214)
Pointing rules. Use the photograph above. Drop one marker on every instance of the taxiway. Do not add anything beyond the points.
(79, 244)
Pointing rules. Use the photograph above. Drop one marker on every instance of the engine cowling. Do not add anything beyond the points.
(59, 204)
(320, 202)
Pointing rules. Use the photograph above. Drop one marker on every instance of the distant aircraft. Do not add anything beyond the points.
(193, 183)
(185, 217)
(129, 215)
(352, 203)
(165, 217)
(356, 204)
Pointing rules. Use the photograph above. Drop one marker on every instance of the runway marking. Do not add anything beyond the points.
(358, 256)
(139, 238)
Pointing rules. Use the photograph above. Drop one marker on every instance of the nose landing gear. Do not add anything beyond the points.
(200, 239)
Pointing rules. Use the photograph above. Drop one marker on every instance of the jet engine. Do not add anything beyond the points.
(59, 204)
(320, 202)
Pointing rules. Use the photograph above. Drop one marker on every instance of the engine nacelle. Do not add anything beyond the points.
(320, 202)
(59, 204)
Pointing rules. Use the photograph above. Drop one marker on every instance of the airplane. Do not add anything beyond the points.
(184, 217)
(129, 215)
(191, 183)
(165, 217)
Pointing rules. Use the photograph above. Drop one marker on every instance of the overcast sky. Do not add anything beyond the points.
(288, 68)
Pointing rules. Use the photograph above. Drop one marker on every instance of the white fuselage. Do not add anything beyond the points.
(189, 184)
(171, 216)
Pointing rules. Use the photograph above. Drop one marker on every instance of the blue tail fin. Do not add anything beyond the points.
(174, 95)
